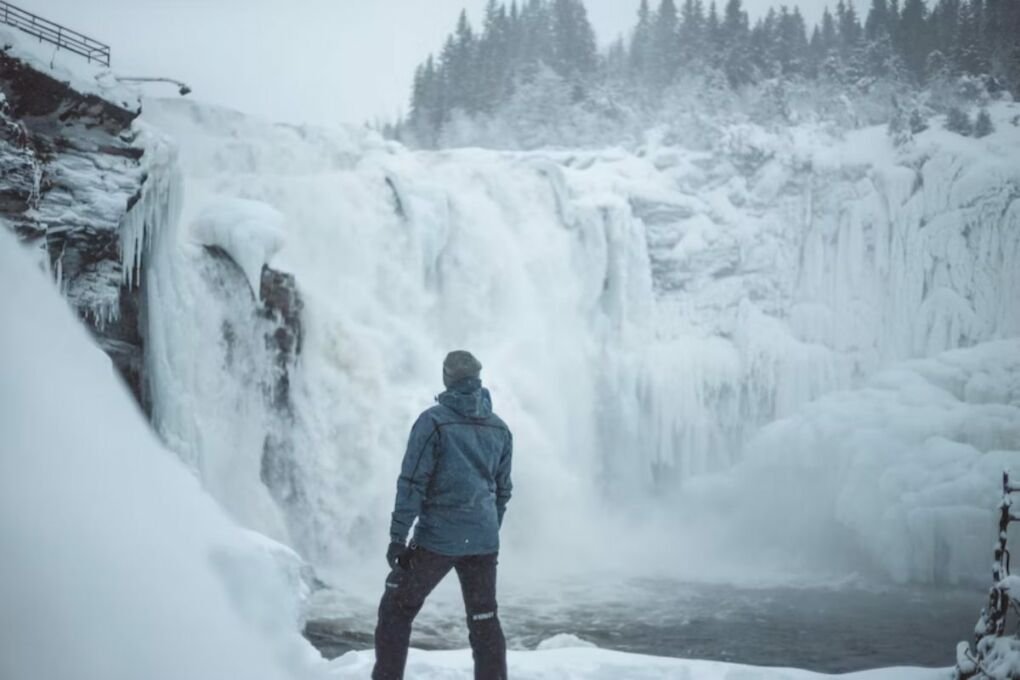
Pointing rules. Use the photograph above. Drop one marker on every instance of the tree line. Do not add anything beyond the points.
(479, 72)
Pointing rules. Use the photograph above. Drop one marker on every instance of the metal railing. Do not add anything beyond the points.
(51, 32)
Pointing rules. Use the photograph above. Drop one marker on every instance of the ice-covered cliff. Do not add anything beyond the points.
(641, 315)
(84, 183)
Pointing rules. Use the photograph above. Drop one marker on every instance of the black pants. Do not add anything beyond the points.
(406, 590)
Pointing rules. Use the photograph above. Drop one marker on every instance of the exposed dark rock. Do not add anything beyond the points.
(32, 94)
(68, 174)
(282, 302)
(279, 306)
(398, 203)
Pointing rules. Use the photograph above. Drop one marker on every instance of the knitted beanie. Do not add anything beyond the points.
(458, 365)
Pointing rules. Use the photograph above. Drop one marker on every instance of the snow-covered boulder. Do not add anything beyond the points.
(564, 641)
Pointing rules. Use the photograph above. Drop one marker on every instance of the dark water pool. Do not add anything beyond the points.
(824, 629)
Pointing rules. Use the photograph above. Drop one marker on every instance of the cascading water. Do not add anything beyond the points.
(640, 316)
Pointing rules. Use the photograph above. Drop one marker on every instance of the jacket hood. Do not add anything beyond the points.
(468, 398)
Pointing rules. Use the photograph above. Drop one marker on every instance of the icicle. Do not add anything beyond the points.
(158, 203)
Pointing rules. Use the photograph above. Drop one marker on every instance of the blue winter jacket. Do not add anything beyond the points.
(456, 475)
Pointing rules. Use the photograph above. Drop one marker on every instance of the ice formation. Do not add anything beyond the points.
(641, 316)
(157, 205)
(250, 231)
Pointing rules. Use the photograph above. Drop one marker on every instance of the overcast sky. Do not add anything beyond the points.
(315, 61)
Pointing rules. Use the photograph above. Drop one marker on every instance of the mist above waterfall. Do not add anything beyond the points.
(640, 315)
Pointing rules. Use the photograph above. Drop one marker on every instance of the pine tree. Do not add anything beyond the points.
(764, 46)
(417, 115)
(616, 63)
(899, 128)
(943, 23)
(983, 125)
(970, 53)
(691, 32)
(912, 38)
(877, 22)
(665, 45)
(829, 38)
(492, 59)
(893, 18)
(958, 121)
(735, 43)
(816, 52)
(575, 53)
(432, 104)
(848, 26)
(460, 67)
(917, 123)
(641, 44)
(535, 38)
(791, 41)
(713, 30)
(735, 23)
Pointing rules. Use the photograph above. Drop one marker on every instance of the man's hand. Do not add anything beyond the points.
(395, 554)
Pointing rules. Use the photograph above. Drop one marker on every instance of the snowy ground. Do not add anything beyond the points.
(597, 664)
(117, 564)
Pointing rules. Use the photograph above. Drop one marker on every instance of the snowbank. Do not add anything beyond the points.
(117, 565)
(599, 664)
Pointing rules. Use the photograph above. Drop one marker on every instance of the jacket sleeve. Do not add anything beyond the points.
(416, 471)
(504, 487)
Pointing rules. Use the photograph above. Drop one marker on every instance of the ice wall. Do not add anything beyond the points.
(641, 315)
(898, 477)
(788, 264)
(210, 370)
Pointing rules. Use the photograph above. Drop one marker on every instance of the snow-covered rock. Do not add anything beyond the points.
(84, 183)
(251, 232)
(599, 664)
(564, 641)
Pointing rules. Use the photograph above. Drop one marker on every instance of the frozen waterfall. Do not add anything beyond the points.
(641, 315)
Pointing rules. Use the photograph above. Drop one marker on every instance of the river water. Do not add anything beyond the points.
(828, 629)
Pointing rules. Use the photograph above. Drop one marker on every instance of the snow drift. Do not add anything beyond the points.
(600, 664)
(117, 565)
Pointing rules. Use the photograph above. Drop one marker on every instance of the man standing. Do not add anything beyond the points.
(455, 480)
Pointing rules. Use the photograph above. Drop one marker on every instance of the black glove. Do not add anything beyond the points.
(395, 555)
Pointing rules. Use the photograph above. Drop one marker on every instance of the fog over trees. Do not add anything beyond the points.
(532, 74)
